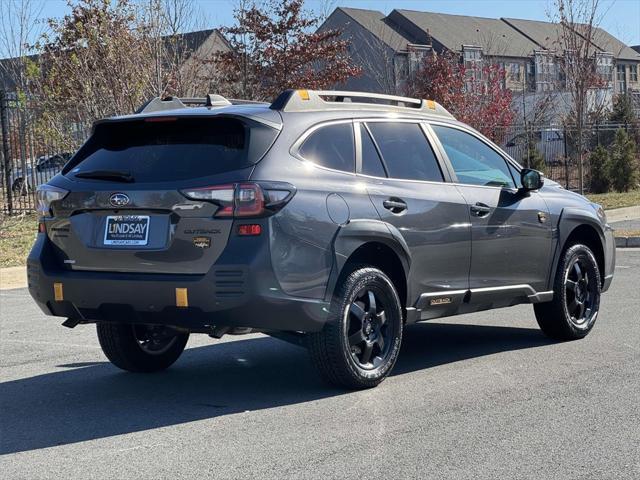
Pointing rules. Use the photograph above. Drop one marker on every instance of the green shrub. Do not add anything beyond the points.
(600, 168)
(533, 158)
(624, 164)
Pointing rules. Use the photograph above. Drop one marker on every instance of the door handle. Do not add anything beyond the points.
(396, 205)
(480, 209)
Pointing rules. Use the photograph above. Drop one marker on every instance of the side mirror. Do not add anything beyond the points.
(531, 179)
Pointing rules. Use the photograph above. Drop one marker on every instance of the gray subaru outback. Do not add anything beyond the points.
(328, 219)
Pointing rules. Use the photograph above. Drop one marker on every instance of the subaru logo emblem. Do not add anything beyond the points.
(119, 199)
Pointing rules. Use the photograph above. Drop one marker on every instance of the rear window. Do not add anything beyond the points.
(178, 149)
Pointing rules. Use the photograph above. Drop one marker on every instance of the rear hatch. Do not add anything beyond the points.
(129, 208)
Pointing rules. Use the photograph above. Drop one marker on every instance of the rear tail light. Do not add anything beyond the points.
(46, 194)
(244, 199)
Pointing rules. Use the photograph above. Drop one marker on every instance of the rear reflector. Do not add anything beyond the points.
(58, 294)
(42, 228)
(251, 229)
(182, 298)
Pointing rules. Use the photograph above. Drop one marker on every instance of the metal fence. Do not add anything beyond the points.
(28, 154)
(30, 157)
(558, 148)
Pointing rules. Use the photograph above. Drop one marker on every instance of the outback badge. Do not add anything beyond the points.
(440, 301)
(202, 242)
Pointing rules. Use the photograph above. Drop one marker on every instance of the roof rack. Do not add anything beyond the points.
(158, 104)
(307, 100)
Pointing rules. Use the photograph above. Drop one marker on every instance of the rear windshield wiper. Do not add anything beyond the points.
(115, 175)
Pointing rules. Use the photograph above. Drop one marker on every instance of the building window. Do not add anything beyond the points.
(514, 72)
(416, 56)
(604, 66)
(633, 73)
(621, 78)
(472, 57)
(546, 71)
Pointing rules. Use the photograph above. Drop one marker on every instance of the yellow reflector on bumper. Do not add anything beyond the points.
(182, 299)
(58, 294)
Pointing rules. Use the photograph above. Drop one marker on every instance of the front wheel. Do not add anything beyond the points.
(140, 348)
(576, 296)
(360, 343)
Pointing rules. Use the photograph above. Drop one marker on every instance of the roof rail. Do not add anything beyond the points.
(158, 104)
(307, 100)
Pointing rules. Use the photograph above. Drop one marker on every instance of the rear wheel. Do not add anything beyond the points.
(360, 343)
(576, 300)
(141, 348)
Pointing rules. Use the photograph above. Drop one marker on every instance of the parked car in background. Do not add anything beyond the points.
(549, 142)
(37, 172)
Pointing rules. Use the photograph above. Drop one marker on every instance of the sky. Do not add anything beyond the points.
(621, 17)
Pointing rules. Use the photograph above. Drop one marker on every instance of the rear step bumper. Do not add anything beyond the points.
(234, 295)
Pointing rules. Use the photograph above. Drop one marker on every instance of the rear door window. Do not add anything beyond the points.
(371, 161)
(406, 151)
(173, 149)
(331, 146)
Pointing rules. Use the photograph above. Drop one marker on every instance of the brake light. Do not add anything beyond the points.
(244, 199)
(160, 119)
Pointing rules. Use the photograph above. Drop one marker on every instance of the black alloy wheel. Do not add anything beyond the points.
(368, 331)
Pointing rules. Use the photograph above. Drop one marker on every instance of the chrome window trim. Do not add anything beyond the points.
(294, 150)
(430, 135)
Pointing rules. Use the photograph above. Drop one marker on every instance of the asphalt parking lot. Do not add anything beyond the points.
(479, 396)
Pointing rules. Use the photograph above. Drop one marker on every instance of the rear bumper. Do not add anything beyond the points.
(240, 290)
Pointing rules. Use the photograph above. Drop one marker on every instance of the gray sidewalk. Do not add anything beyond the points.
(625, 219)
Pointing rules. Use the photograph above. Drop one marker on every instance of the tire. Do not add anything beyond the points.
(140, 348)
(572, 313)
(360, 343)
(17, 186)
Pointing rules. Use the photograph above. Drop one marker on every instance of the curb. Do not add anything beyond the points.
(627, 242)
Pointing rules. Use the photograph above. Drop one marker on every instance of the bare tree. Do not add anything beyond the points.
(325, 9)
(578, 21)
(19, 27)
(94, 62)
(179, 68)
(386, 67)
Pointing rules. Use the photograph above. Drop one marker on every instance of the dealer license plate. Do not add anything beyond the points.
(127, 230)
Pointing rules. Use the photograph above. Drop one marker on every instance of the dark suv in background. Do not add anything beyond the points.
(330, 219)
